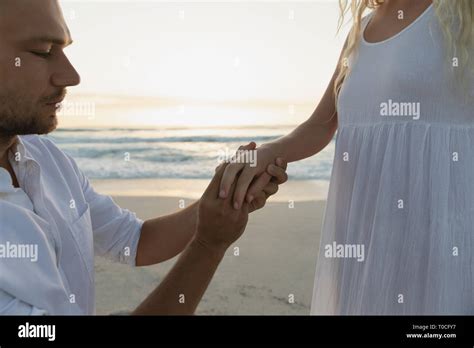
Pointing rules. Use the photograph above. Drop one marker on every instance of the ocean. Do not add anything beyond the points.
(173, 153)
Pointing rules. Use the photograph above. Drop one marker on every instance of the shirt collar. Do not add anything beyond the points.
(18, 150)
(17, 153)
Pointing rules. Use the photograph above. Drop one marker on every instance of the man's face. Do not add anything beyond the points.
(34, 71)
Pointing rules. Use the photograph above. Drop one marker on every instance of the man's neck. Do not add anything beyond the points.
(5, 144)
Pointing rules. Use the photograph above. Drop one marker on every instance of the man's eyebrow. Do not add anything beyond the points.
(54, 40)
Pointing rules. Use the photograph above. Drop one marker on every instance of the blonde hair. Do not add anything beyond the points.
(457, 22)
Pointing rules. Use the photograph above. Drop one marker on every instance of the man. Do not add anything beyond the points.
(52, 222)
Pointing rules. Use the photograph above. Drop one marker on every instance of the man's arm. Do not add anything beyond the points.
(219, 225)
(165, 237)
(182, 289)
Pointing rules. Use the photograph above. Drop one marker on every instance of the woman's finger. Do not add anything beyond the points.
(243, 183)
(228, 178)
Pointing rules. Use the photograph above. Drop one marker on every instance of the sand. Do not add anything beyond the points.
(276, 263)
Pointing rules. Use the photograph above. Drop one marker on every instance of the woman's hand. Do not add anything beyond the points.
(278, 176)
(254, 177)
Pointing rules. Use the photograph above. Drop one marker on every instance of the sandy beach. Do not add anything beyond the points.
(276, 261)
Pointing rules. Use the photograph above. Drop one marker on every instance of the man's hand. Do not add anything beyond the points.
(253, 183)
(277, 173)
(219, 225)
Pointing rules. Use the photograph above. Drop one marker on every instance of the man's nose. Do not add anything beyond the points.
(65, 75)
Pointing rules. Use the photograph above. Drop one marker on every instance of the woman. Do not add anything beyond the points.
(398, 232)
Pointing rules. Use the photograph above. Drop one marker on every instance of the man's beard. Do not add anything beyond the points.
(20, 116)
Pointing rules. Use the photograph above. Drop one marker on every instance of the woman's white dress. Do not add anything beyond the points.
(398, 232)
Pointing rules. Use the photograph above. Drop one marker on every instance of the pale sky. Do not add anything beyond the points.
(214, 51)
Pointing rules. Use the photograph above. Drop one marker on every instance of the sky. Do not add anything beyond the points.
(205, 62)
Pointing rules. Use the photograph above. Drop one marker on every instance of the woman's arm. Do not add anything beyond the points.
(313, 135)
(304, 141)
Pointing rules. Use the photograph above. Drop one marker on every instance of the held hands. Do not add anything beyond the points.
(255, 183)
(219, 223)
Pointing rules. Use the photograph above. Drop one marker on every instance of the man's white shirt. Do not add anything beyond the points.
(57, 213)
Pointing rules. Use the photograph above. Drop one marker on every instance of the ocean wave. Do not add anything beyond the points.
(178, 139)
(167, 128)
(183, 170)
(158, 155)
(103, 154)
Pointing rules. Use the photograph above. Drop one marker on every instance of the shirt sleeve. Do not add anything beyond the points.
(116, 231)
